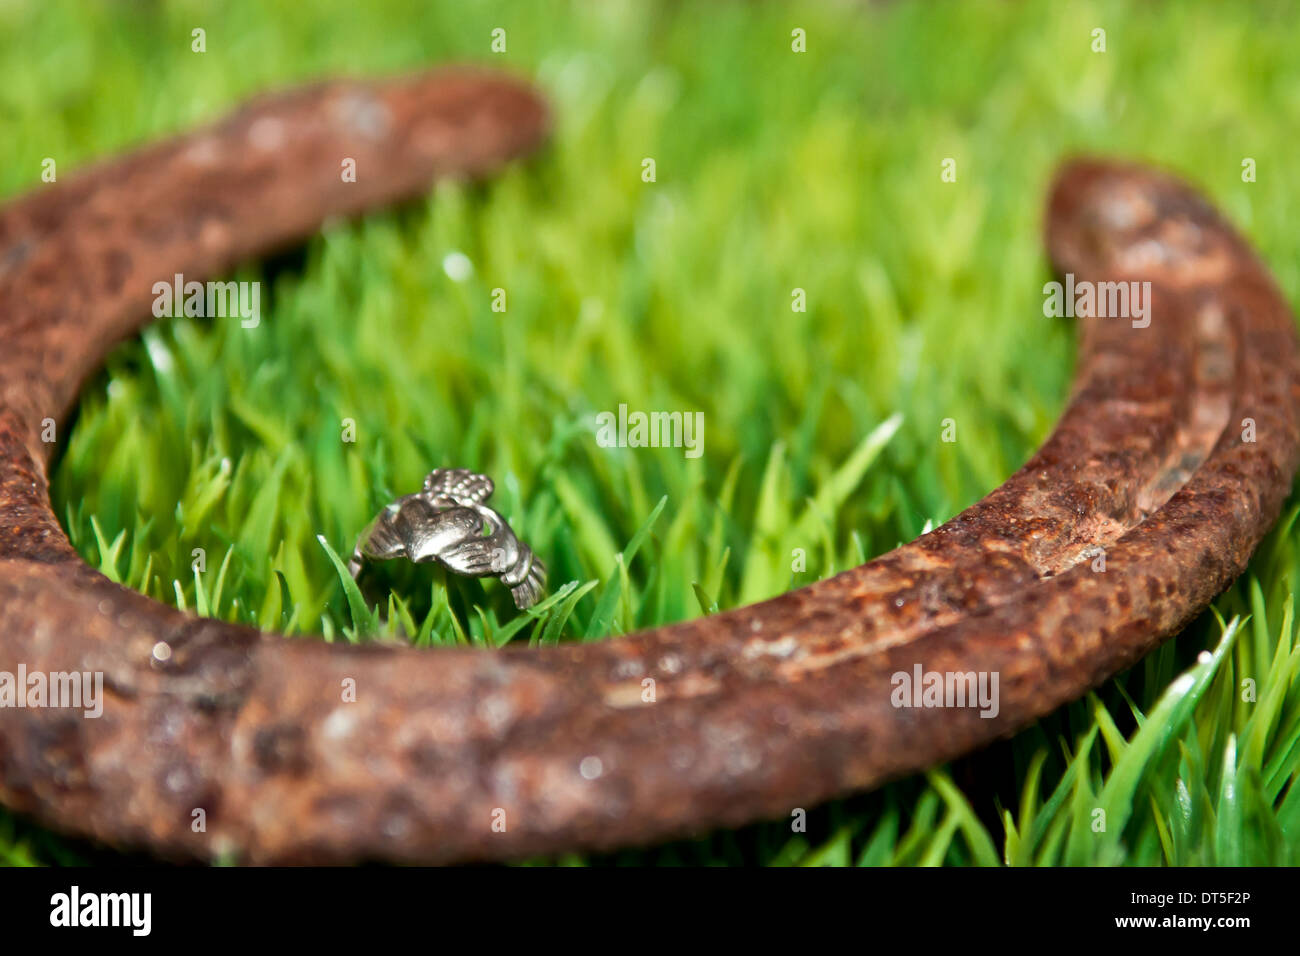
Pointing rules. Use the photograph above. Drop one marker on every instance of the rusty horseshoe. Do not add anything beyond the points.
(768, 707)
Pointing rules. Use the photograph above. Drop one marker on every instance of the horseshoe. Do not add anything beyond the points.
(781, 704)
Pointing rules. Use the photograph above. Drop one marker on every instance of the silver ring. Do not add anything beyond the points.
(449, 523)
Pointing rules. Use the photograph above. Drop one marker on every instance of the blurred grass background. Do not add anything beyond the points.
(775, 170)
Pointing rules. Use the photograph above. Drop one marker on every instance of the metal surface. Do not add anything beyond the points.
(457, 755)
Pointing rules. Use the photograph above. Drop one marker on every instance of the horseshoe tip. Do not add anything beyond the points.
(1097, 206)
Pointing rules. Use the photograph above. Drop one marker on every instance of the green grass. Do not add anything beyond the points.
(775, 171)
